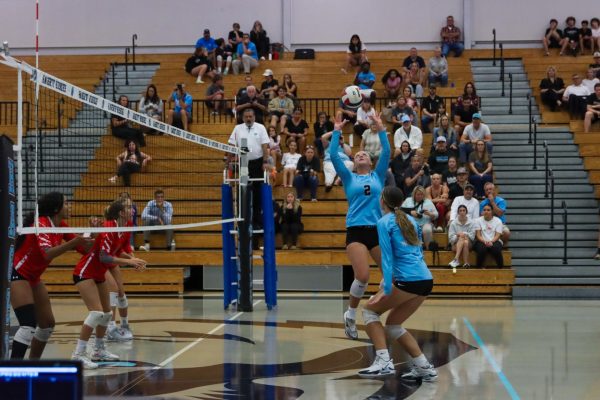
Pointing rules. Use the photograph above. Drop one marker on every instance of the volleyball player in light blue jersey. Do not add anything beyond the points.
(362, 189)
(406, 284)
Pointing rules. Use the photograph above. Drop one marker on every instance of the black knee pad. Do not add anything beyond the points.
(26, 315)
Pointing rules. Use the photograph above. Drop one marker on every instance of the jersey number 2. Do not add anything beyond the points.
(367, 190)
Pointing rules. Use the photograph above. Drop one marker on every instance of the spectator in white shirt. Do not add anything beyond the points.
(468, 200)
(576, 94)
(363, 120)
(590, 80)
(488, 231)
(407, 132)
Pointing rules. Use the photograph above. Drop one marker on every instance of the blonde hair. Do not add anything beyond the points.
(296, 201)
(393, 197)
(418, 189)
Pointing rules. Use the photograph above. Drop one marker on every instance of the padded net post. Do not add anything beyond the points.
(270, 271)
(245, 295)
(229, 264)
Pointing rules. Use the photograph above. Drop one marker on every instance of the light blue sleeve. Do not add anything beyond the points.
(387, 257)
(384, 157)
(168, 212)
(146, 212)
(336, 160)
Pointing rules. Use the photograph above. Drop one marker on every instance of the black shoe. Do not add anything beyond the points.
(328, 189)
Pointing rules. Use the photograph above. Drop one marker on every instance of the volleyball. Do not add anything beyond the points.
(351, 97)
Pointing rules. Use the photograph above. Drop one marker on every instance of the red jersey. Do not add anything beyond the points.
(112, 243)
(30, 259)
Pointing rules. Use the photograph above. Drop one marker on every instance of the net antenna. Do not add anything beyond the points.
(62, 89)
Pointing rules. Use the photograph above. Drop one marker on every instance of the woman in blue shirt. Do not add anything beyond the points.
(362, 189)
(406, 284)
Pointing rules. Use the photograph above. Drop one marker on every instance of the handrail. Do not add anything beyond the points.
(133, 39)
(565, 216)
(59, 113)
(530, 116)
(510, 85)
(494, 33)
(126, 66)
(534, 143)
(502, 67)
(114, 90)
(551, 176)
(547, 160)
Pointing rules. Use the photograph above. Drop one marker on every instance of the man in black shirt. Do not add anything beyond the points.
(572, 39)
(593, 109)
(463, 116)
(553, 37)
(429, 108)
(235, 36)
(457, 188)
(268, 89)
(242, 91)
(438, 159)
(251, 100)
(596, 64)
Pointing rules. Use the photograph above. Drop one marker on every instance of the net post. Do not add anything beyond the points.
(229, 265)
(270, 271)
(7, 244)
(245, 295)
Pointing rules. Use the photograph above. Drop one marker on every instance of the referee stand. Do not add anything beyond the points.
(238, 279)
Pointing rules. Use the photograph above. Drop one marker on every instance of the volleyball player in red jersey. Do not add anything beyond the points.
(28, 295)
(89, 276)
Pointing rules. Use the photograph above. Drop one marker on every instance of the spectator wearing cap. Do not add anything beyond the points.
(468, 201)
(457, 187)
(473, 132)
(247, 56)
(438, 158)
(268, 88)
(576, 95)
(498, 208)
(596, 64)
(209, 44)
(429, 108)
(407, 132)
(438, 68)
(450, 35)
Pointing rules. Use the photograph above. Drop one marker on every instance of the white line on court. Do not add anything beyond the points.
(195, 342)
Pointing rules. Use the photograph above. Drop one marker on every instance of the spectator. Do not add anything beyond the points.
(247, 56)
(457, 188)
(590, 80)
(251, 100)
(243, 90)
(370, 142)
(451, 38)
(215, 96)
(467, 199)
(470, 92)
(410, 97)
(290, 86)
(289, 162)
(235, 36)
(429, 108)
(401, 162)
(259, 37)
(488, 231)
(365, 79)
(223, 52)
(181, 114)
(438, 68)
(416, 175)
(475, 131)
(595, 35)
(461, 234)
(199, 65)
(551, 89)
(498, 208)
(438, 194)
(596, 64)
(150, 104)
(296, 129)
(268, 88)
(593, 109)
(400, 110)
(463, 116)
(363, 117)
(356, 54)
(121, 128)
(438, 158)
(345, 153)
(290, 221)
(392, 83)
(572, 38)
(407, 132)
(449, 175)
(281, 108)
(552, 37)
(423, 211)
(274, 144)
(321, 127)
(481, 168)
(413, 57)
(158, 212)
(576, 95)
(130, 161)
(586, 37)
(307, 174)
(209, 44)
(415, 79)
(447, 131)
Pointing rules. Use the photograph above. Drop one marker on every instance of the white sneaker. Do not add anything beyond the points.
(350, 327)
(226, 71)
(84, 359)
(454, 263)
(101, 354)
(427, 374)
(145, 247)
(379, 368)
(439, 229)
(199, 79)
(116, 334)
(127, 332)
(173, 245)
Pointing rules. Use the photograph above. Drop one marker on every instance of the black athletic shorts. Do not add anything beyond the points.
(15, 276)
(77, 279)
(420, 288)
(366, 235)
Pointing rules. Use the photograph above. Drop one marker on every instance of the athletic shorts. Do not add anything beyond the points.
(16, 276)
(77, 279)
(420, 288)
(366, 235)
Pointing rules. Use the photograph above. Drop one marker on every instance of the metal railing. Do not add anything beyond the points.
(502, 67)
(510, 95)
(551, 177)
(494, 40)
(565, 224)
(133, 39)
(126, 66)
(546, 170)
(534, 143)
(529, 109)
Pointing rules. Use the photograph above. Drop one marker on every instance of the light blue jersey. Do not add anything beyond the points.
(362, 191)
(400, 260)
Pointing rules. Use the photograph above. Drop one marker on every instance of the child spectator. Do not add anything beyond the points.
(290, 221)
(363, 120)
(274, 144)
(215, 96)
(223, 52)
(392, 83)
(356, 54)
(461, 235)
(321, 127)
(552, 38)
(365, 79)
(289, 162)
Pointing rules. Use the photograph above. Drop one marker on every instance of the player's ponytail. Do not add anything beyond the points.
(49, 205)
(113, 211)
(393, 197)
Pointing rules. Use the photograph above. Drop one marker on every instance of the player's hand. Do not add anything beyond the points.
(138, 263)
(376, 118)
(339, 125)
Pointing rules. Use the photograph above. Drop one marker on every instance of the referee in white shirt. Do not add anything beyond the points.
(257, 142)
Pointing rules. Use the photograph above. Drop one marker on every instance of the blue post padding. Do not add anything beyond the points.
(229, 264)
(270, 271)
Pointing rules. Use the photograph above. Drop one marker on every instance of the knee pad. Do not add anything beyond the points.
(43, 334)
(370, 316)
(357, 289)
(106, 317)
(122, 302)
(394, 332)
(26, 315)
(93, 319)
(24, 335)
(113, 298)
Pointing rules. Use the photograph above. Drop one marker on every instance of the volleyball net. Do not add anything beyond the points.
(64, 144)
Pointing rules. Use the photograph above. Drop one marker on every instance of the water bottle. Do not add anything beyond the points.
(270, 56)
(172, 245)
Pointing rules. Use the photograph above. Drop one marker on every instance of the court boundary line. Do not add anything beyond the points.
(486, 352)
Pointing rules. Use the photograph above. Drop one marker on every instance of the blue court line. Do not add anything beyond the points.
(509, 388)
